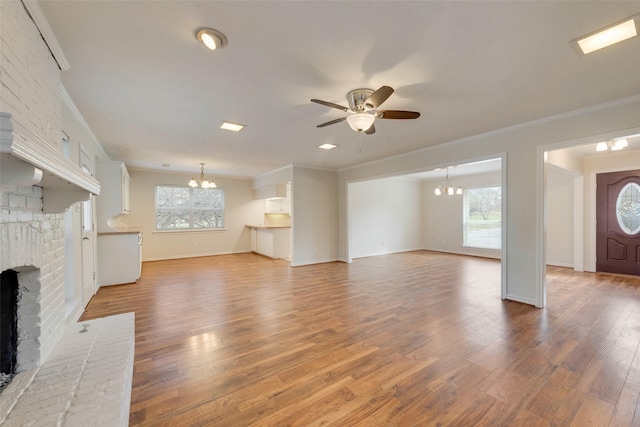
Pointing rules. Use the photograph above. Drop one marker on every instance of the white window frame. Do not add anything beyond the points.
(190, 210)
(465, 222)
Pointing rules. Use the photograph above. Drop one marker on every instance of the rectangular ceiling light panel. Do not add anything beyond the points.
(231, 126)
(607, 36)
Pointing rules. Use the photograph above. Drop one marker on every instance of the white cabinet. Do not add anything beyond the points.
(114, 197)
(264, 244)
(254, 240)
(119, 257)
(274, 242)
(280, 204)
(125, 199)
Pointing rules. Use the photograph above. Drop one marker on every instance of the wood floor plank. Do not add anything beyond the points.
(415, 338)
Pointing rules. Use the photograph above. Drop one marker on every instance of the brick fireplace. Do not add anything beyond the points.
(33, 246)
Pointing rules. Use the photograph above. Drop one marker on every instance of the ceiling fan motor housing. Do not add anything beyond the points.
(356, 99)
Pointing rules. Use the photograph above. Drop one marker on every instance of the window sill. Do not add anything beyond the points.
(190, 230)
(482, 248)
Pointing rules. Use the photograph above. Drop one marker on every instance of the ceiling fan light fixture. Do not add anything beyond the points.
(213, 39)
(360, 121)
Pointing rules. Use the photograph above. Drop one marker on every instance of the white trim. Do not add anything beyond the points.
(490, 253)
(520, 299)
(66, 98)
(320, 261)
(47, 33)
(578, 223)
(272, 171)
(560, 264)
(524, 125)
(541, 231)
(63, 182)
(504, 220)
(198, 255)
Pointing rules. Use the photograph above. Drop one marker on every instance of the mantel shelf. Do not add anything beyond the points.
(27, 159)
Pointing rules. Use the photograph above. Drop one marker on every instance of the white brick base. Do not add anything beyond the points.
(85, 381)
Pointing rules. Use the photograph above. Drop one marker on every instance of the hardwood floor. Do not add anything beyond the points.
(417, 338)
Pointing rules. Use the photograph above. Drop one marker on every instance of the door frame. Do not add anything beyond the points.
(92, 235)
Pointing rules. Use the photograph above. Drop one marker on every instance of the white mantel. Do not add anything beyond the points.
(27, 159)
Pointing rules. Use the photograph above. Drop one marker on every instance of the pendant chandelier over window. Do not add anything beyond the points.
(448, 190)
(201, 181)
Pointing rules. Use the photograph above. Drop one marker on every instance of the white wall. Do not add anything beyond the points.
(560, 216)
(29, 90)
(278, 176)
(443, 215)
(240, 209)
(75, 127)
(385, 216)
(314, 216)
(523, 144)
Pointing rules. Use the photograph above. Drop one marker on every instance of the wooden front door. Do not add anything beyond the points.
(618, 222)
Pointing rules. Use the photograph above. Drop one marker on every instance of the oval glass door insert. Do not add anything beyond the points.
(628, 208)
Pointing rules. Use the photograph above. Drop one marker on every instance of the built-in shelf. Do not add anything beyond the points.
(26, 159)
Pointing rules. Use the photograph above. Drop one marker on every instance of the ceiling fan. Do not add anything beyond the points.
(363, 104)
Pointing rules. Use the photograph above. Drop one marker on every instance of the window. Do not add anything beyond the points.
(186, 208)
(482, 217)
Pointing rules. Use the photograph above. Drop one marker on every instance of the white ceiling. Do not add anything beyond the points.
(152, 94)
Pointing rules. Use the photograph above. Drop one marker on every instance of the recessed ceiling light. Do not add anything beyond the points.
(213, 39)
(607, 36)
(327, 146)
(235, 127)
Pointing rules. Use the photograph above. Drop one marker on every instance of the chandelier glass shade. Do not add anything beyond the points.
(449, 190)
(201, 181)
(613, 145)
(360, 121)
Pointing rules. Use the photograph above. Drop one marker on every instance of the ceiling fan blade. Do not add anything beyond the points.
(397, 114)
(332, 122)
(378, 97)
(372, 129)
(330, 104)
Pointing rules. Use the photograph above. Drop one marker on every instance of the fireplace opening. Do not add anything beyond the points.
(8, 325)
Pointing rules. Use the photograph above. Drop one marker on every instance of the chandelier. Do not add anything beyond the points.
(201, 181)
(613, 145)
(448, 190)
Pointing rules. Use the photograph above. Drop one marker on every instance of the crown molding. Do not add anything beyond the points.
(66, 98)
(33, 9)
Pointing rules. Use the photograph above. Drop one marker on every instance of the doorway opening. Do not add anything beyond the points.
(571, 203)
(406, 213)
